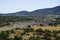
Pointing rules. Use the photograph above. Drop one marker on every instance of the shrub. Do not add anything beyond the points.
(57, 38)
(12, 31)
(34, 38)
(4, 35)
(39, 30)
(18, 38)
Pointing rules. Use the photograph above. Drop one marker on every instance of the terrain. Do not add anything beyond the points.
(41, 24)
(42, 27)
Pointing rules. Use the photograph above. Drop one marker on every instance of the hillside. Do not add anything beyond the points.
(46, 11)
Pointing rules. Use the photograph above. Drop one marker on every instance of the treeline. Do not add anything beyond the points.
(6, 19)
(13, 18)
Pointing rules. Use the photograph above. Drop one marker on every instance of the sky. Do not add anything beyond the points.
(10, 6)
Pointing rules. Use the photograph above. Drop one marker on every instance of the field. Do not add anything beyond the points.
(31, 31)
(51, 28)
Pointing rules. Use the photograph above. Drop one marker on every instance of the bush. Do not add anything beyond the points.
(55, 33)
(48, 33)
(39, 30)
(57, 38)
(18, 38)
(41, 25)
(4, 35)
(28, 30)
(34, 38)
(12, 31)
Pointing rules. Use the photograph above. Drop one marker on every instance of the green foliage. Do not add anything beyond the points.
(12, 31)
(29, 26)
(18, 38)
(17, 28)
(28, 29)
(4, 35)
(5, 20)
(34, 38)
(55, 33)
(41, 24)
(57, 38)
(48, 33)
(39, 30)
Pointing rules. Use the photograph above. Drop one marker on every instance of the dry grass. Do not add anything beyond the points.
(17, 32)
(51, 28)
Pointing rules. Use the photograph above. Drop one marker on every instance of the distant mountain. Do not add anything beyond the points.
(54, 11)
(21, 13)
(46, 11)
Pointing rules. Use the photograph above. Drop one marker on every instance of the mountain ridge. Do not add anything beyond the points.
(46, 11)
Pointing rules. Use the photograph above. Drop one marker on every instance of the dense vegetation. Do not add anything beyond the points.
(5, 20)
(55, 23)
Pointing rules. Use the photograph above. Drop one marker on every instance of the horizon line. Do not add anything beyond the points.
(27, 10)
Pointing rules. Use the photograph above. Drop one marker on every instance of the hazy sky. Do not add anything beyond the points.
(7, 6)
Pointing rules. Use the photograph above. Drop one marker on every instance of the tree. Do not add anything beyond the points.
(41, 24)
(50, 24)
(37, 38)
(4, 35)
(12, 31)
(28, 30)
(29, 26)
(34, 38)
(39, 30)
(55, 33)
(57, 38)
(18, 38)
(47, 33)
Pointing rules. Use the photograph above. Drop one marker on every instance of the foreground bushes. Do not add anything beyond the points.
(47, 34)
(34, 38)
